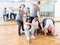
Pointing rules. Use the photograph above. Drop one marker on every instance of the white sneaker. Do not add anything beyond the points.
(33, 37)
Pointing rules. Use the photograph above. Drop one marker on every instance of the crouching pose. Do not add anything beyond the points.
(49, 26)
(28, 30)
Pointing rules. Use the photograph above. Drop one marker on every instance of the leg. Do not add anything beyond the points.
(53, 31)
(4, 17)
(15, 16)
(7, 16)
(45, 31)
(22, 24)
(19, 27)
(40, 28)
(27, 33)
(32, 30)
(10, 16)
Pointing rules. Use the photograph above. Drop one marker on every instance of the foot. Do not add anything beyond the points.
(19, 34)
(33, 37)
(29, 41)
(23, 32)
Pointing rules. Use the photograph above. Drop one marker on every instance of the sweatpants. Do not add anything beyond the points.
(28, 31)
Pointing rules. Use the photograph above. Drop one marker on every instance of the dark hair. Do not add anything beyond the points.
(5, 8)
(22, 5)
(28, 8)
(27, 20)
(39, 2)
(36, 17)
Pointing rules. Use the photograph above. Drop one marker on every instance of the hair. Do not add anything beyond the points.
(5, 8)
(38, 2)
(36, 17)
(27, 19)
(22, 5)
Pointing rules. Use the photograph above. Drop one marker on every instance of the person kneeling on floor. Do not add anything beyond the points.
(49, 26)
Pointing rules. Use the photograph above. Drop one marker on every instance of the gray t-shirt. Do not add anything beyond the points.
(20, 15)
(33, 11)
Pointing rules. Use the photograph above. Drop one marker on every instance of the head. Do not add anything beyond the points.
(28, 20)
(27, 14)
(28, 8)
(36, 18)
(49, 27)
(38, 3)
(5, 8)
(22, 6)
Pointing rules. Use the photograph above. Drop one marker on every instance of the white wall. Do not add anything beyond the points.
(57, 10)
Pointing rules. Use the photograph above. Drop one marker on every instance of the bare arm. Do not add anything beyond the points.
(29, 23)
(32, 4)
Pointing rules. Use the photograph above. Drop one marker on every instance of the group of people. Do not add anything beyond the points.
(32, 22)
(9, 14)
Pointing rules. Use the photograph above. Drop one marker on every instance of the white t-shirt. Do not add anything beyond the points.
(49, 22)
(26, 26)
(34, 23)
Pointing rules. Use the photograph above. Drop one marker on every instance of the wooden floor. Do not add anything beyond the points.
(9, 36)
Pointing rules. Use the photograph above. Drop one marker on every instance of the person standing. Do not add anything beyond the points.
(19, 19)
(33, 12)
(34, 9)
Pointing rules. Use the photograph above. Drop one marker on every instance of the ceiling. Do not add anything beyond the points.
(28, 0)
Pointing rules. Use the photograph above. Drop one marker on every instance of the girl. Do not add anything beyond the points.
(28, 30)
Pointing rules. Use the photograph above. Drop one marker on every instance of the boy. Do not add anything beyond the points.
(19, 19)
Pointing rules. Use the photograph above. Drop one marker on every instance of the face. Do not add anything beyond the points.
(36, 19)
(49, 28)
(22, 7)
(38, 4)
(28, 21)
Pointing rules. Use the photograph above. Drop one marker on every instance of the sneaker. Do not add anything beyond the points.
(30, 41)
(33, 37)
(19, 34)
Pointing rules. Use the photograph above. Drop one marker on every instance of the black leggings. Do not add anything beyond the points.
(5, 15)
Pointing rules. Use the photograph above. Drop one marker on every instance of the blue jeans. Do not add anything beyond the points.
(20, 24)
(7, 16)
(13, 15)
